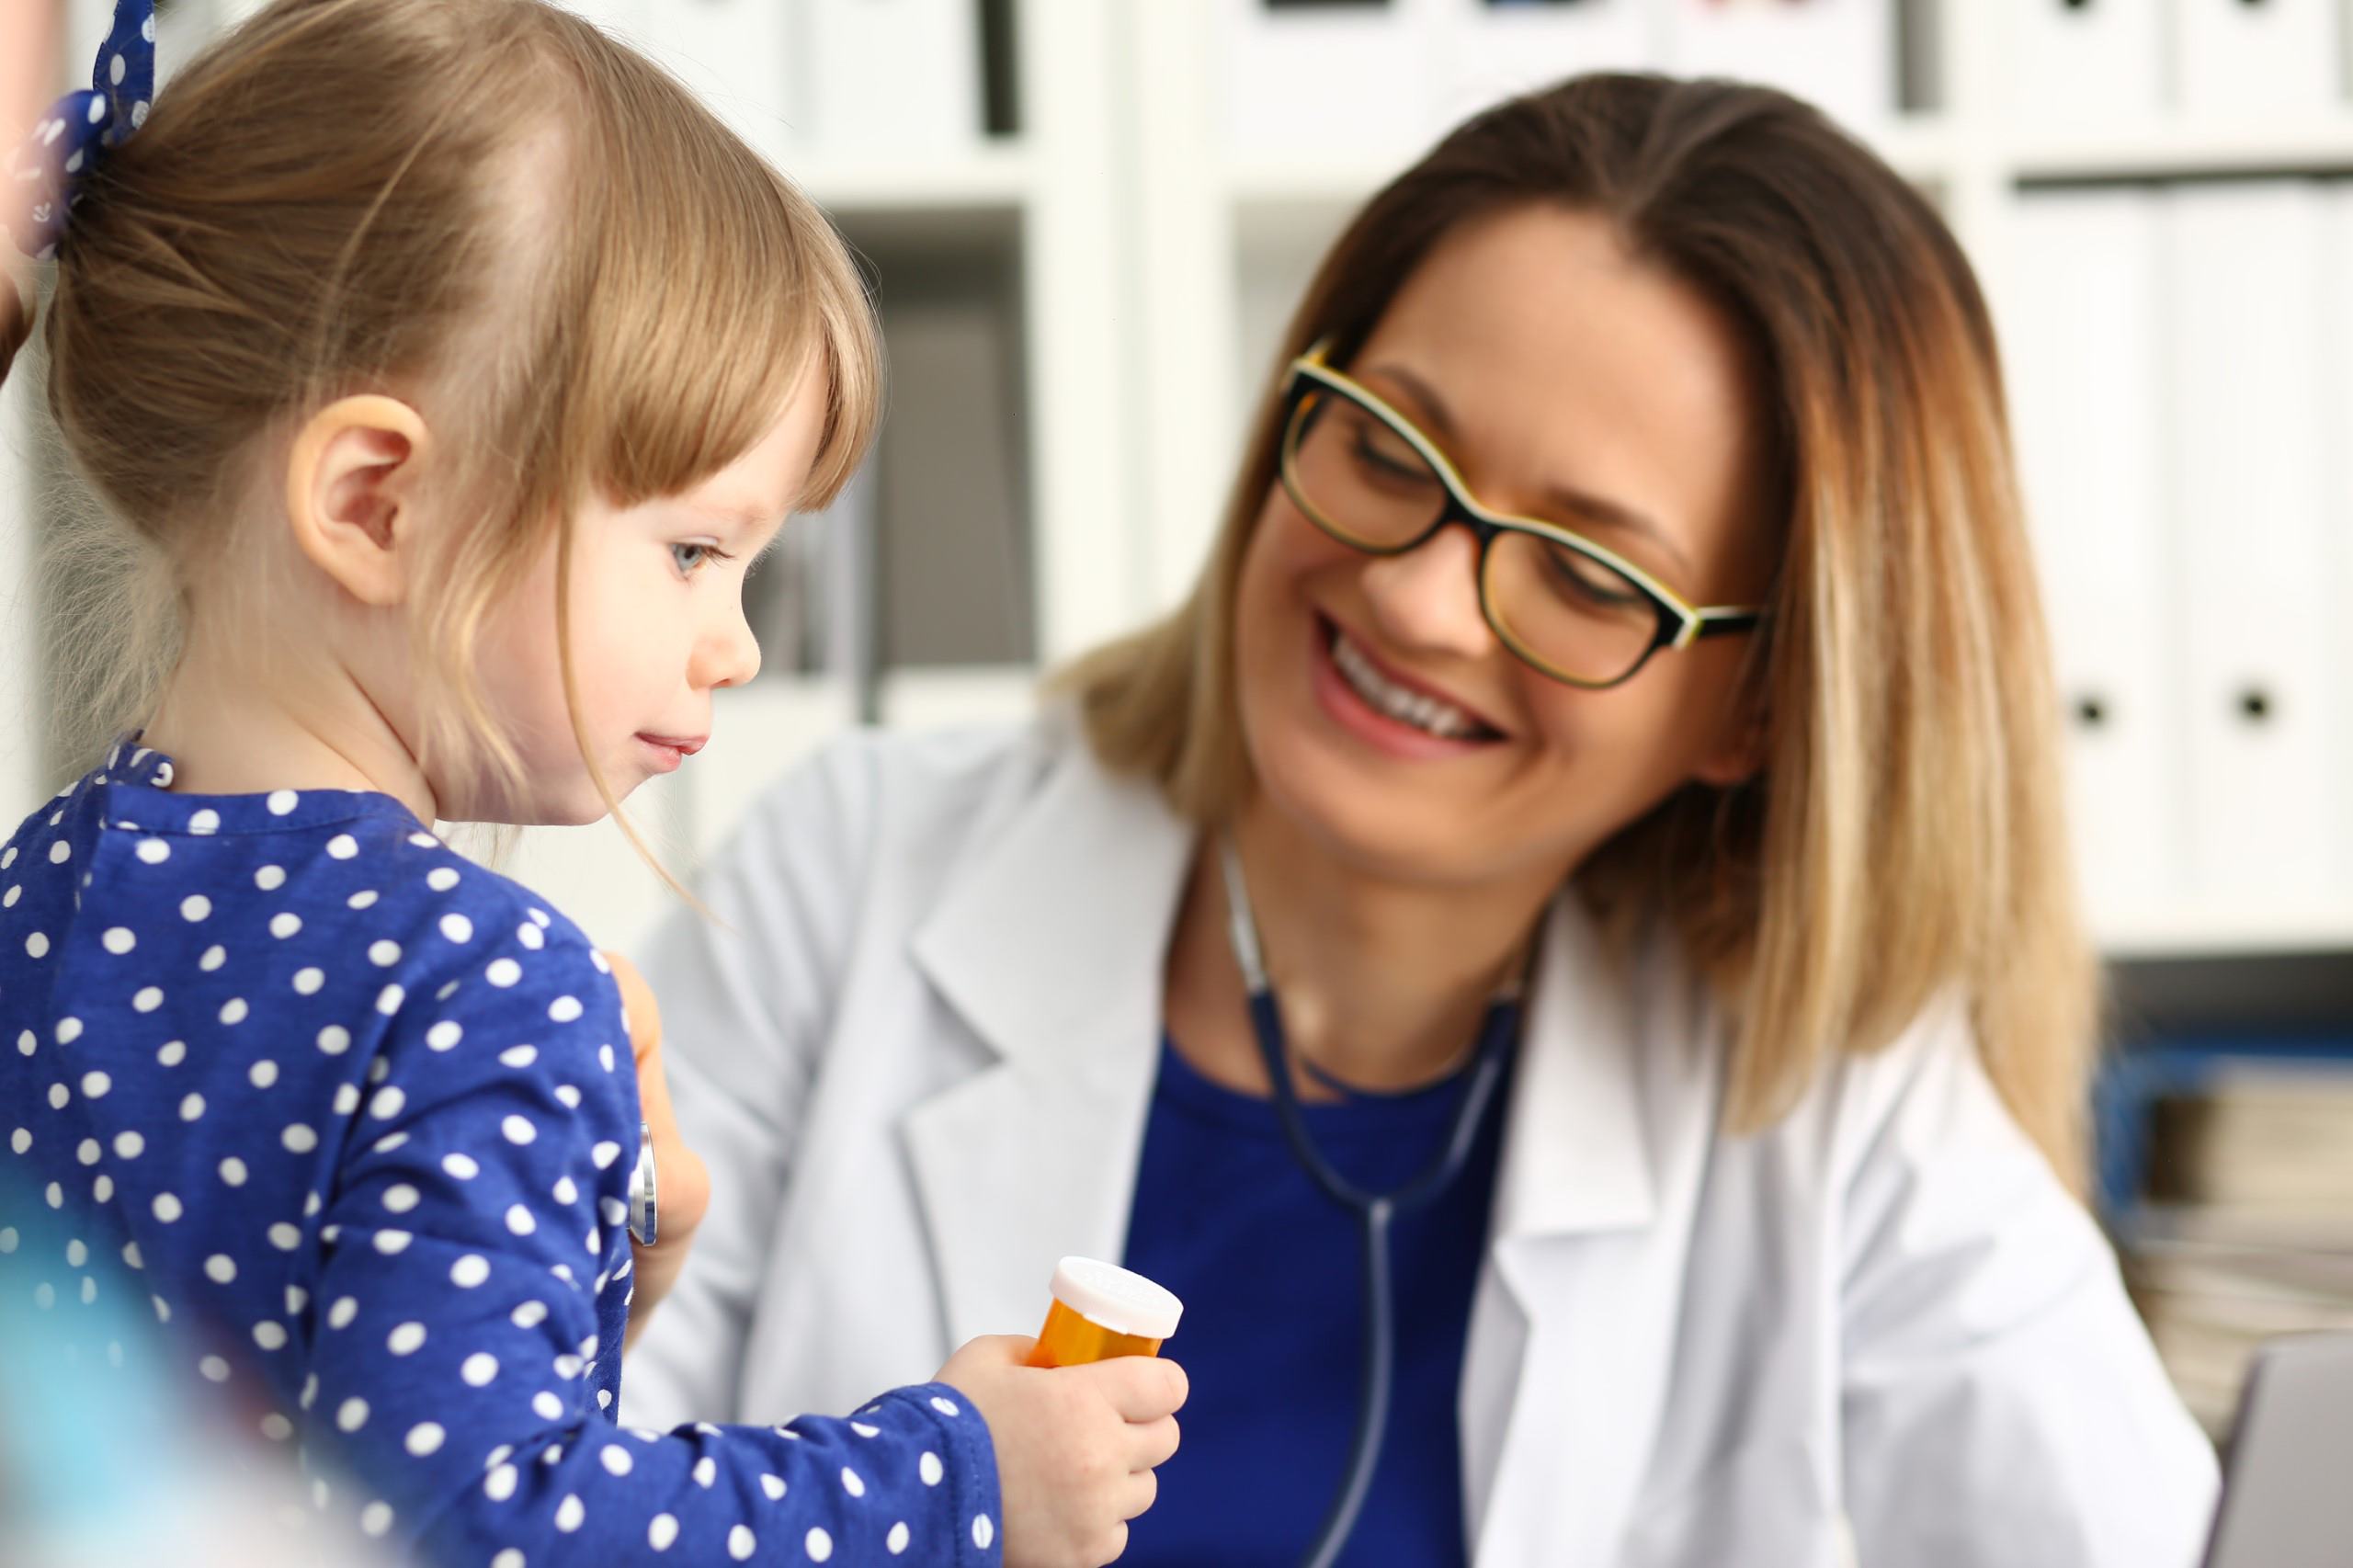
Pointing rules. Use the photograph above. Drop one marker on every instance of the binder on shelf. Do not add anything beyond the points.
(845, 646)
(2268, 54)
(1840, 55)
(951, 555)
(2086, 61)
(2081, 327)
(1489, 49)
(892, 76)
(1339, 78)
(808, 600)
(2249, 440)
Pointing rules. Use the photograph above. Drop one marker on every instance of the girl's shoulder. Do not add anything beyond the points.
(331, 912)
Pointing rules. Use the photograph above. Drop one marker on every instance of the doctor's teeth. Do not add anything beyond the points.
(1426, 713)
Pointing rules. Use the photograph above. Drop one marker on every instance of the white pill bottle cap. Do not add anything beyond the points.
(1116, 1299)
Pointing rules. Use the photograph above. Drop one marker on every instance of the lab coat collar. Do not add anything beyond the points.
(1059, 927)
(1579, 1301)
(1050, 947)
(1577, 1148)
(1024, 946)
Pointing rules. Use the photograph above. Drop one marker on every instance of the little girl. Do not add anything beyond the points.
(452, 364)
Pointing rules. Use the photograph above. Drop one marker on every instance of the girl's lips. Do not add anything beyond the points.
(668, 753)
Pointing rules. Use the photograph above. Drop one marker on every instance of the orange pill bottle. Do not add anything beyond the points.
(1101, 1310)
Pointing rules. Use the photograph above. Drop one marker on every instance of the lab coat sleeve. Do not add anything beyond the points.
(746, 996)
(2003, 1407)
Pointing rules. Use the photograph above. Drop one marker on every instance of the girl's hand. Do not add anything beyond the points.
(1076, 1447)
(682, 1187)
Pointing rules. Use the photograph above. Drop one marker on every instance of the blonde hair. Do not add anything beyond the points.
(598, 286)
(1903, 843)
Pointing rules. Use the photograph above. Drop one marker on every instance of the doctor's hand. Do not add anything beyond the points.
(1076, 1446)
(681, 1184)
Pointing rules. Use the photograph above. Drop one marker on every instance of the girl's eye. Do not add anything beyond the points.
(692, 558)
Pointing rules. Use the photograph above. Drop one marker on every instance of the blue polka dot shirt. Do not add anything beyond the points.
(359, 1116)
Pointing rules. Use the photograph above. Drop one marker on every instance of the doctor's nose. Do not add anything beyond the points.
(1428, 597)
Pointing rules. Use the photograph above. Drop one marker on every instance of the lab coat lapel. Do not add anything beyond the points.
(1572, 1329)
(1034, 1156)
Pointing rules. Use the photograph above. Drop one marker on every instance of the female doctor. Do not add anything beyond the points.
(1607, 770)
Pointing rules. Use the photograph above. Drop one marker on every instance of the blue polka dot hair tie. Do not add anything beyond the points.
(80, 128)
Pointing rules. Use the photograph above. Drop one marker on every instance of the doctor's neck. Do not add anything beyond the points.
(1384, 983)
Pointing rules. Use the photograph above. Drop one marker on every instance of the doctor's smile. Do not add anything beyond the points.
(1378, 701)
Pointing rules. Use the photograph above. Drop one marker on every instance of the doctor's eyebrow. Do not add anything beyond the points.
(1581, 504)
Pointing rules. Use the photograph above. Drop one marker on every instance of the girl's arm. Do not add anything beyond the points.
(460, 1360)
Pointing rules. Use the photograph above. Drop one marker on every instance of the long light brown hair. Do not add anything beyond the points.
(597, 287)
(1904, 844)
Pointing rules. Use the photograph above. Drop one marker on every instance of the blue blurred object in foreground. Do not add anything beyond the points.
(107, 1456)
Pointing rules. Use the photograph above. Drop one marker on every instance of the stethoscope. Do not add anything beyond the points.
(1374, 1211)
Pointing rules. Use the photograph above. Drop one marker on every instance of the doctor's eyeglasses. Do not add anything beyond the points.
(1574, 610)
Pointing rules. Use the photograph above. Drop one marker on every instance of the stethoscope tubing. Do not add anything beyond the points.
(1374, 1211)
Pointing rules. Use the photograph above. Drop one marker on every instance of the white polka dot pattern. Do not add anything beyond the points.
(357, 1103)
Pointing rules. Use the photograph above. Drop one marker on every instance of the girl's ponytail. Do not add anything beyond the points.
(51, 173)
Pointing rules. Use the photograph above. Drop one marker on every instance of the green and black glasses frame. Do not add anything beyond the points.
(1571, 608)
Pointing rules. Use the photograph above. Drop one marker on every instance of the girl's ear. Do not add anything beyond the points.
(351, 486)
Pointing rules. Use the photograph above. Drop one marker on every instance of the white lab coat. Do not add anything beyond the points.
(918, 1059)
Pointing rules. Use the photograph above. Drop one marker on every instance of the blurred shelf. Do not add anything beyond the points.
(2132, 1080)
(2215, 928)
(1930, 148)
(2181, 146)
(1280, 183)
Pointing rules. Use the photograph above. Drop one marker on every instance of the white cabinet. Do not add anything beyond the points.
(1087, 307)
